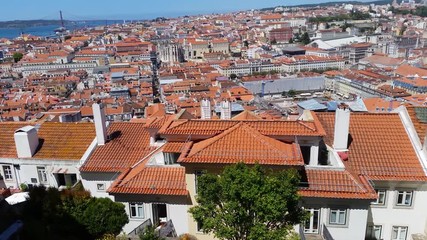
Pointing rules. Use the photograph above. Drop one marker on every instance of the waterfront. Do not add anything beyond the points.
(48, 30)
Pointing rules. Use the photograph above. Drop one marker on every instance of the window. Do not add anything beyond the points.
(100, 186)
(404, 198)
(374, 232)
(136, 210)
(197, 174)
(399, 233)
(41, 172)
(171, 158)
(381, 197)
(338, 216)
(199, 226)
(7, 171)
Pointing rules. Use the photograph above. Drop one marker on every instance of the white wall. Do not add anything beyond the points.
(90, 181)
(357, 214)
(389, 215)
(176, 207)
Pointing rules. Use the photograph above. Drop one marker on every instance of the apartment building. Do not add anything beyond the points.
(359, 171)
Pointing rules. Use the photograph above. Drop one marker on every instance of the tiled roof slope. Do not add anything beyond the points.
(246, 115)
(173, 147)
(149, 180)
(64, 141)
(380, 149)
(274, 128)
(419, 119)
(57, 141)
(336, 184)
(243, 143)
(129, 142)
(7, 146)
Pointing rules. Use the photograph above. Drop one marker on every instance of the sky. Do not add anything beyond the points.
(127, 9)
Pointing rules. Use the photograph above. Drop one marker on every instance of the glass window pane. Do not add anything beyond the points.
(400, 198)
(402, 233)
(394, 233)
(408, 198)
(342, 217)
(333, 216)
(132, 210)
(140, 211)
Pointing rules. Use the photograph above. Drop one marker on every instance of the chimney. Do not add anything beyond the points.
(225, 109)
(99, 119)
(26, 141)
(342, 125)
(205, 106)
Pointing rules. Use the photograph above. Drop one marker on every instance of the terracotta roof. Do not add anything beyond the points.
(64, 141)
(129, 142)
(173, 147)
(419, 119)
(149, 180)
(243, 143)
(336, 184)
(380, 147)
(7, 146)
(272, 128)
(246, 115)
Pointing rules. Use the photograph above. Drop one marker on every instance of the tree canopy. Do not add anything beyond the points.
(248, 203)
(17, 56)
(68, 214)
(305, 38)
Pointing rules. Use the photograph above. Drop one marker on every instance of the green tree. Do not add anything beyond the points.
(248, 203)
(17, 56)
(233, 76)
(292, 93)
(305, 39)
(291, 40)
(150, 233)
(103, 216)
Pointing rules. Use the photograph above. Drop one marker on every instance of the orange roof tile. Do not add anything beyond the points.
(58, 141)
(246, 115)
(7, 146)
(64, 141)
(173, 147)
(272, 128)
(336, 184)
(149, 180)
(419, 124)
(380, 147)
(129, 143)
(244, 143)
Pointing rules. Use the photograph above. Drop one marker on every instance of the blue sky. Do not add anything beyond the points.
(126, 9)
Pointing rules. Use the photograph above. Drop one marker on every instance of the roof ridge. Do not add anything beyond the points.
(267, 141)
(215, 138)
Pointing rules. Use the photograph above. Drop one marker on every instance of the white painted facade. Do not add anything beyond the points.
(57, 173)
(98, 183)
(390, 214)
(354, 224)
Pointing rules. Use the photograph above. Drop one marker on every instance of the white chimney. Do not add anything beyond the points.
(225, 109)
(99, 119)
(205, 106)
(342, 125)
(26, 141)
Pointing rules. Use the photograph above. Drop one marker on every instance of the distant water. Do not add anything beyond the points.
(48, 30)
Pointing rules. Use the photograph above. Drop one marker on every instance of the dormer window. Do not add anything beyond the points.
(171, 158)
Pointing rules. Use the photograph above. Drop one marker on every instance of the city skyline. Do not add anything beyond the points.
(48, 9)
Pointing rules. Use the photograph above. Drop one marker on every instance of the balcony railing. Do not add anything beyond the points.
(325, 233)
